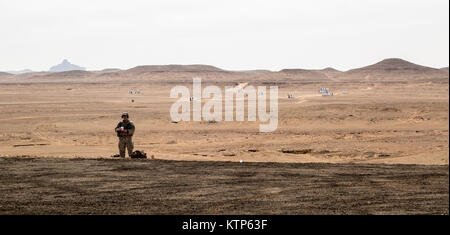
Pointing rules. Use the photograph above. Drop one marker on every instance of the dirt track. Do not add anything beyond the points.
(113, 186)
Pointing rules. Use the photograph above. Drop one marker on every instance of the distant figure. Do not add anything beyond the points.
(125, 130)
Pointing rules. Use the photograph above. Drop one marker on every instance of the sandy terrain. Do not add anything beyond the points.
(372, 122)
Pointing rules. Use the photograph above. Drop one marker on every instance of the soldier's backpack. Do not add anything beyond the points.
(138, 154)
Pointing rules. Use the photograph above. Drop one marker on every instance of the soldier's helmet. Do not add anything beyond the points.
(125, 115)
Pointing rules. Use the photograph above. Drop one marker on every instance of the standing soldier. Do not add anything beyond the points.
(125, 131)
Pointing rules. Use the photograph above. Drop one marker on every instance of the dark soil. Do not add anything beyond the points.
(130, 186)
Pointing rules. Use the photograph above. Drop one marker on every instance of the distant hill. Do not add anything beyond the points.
(4, 74)
(20, 71)
(304, 72)
(255, 71)
(109, 70)
(326, 74)
(65, 65)
(71, 73)
(171, 73)
(174, 68)
(329, 69)
(393, 70)
(330, 72)
(383, 71)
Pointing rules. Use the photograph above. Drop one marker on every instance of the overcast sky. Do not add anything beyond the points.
(231, 34)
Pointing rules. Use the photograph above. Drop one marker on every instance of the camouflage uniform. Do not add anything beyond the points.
(125, 139)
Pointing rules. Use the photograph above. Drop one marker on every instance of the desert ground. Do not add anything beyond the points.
(370, 123)
(378, 146)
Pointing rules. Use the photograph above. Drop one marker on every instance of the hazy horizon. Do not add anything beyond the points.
(232, 35)
(28, 70)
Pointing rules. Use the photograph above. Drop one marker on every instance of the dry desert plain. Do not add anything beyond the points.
(378, 146)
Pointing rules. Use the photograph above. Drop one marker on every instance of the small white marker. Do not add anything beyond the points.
(241, 161)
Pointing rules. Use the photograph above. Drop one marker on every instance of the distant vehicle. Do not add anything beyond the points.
(134, 92)
(325, 92)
